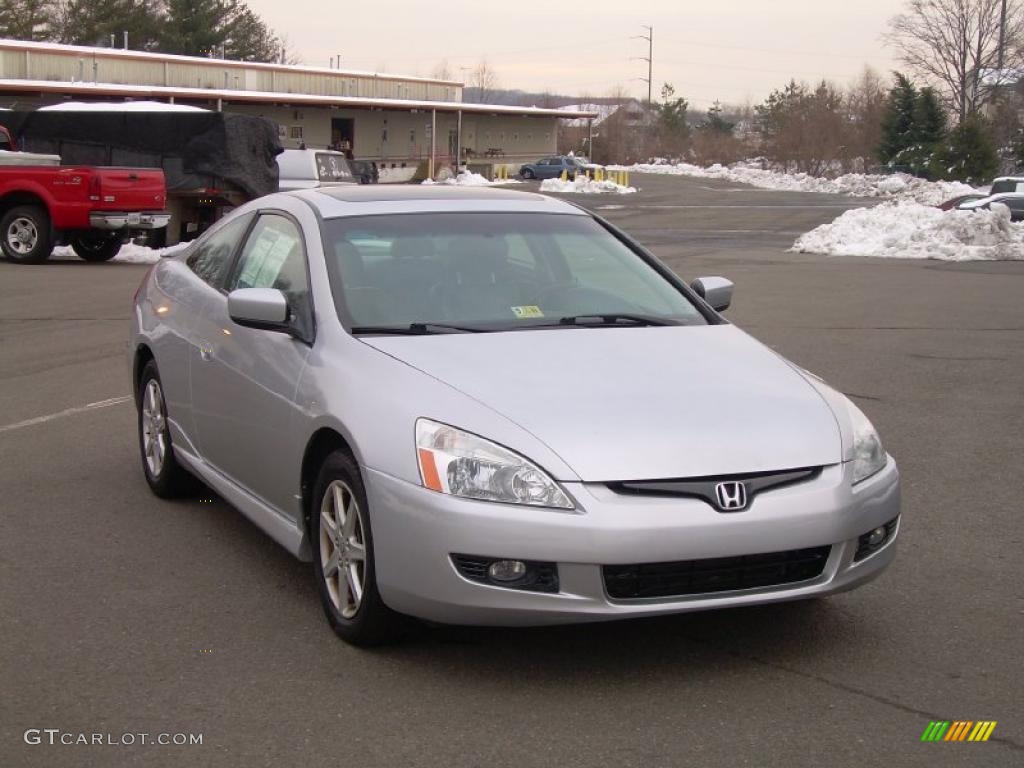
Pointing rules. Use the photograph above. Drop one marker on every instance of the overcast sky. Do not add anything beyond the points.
(733, 50)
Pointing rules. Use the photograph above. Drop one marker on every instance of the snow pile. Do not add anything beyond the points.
(899, 185)
(909, 230)
(470, 179)
(131, 253)
(119, 106)
(585, 186)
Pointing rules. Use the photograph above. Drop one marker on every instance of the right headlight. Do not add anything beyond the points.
(868, 454)
(460, 463)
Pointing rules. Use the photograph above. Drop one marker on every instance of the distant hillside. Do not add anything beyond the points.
(518, 98)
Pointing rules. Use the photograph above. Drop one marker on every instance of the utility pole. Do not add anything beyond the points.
(649, 58)
(1002, 41)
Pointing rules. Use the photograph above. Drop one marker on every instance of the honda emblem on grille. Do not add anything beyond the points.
(731, 496)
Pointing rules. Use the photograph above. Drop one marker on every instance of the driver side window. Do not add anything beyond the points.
(274, 256)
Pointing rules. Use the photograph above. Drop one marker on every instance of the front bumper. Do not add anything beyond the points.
(116, 221)
(416, 531)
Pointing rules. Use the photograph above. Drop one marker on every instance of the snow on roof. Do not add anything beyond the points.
(269, 97)
(83, 50)
(119, 106)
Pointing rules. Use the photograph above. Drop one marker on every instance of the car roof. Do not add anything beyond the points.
(372, 199)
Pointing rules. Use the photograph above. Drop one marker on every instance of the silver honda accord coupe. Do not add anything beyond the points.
(491, 407)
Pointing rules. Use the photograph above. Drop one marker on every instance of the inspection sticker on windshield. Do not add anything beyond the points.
(527, 311)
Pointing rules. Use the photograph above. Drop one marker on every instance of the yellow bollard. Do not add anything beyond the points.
(564, 176)
(626, 175)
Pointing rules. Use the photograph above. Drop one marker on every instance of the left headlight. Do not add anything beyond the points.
(463, 464)
(868, 454)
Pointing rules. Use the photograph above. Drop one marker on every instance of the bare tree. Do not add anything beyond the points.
(441, 70)
(954, 44)
(484, 80)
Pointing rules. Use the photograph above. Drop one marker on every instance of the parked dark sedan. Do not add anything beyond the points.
(959, 200)
(552, 167)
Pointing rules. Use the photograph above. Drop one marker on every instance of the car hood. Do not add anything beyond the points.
(638, 403)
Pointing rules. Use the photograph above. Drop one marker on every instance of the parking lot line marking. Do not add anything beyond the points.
(66, 412)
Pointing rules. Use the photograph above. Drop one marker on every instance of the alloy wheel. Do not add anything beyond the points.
(154, 428)
(342, 548)
(22, 235)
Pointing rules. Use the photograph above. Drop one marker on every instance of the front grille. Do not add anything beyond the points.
(539, 576)
(720, 574)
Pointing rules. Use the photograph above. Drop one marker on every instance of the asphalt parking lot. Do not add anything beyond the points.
(126, 614)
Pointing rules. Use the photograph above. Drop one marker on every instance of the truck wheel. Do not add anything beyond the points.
(26, 235)
(92, 246)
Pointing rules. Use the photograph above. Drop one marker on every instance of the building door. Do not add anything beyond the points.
(343, 134)
(453, 143)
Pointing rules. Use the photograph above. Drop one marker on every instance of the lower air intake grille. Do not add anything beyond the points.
(720, 574)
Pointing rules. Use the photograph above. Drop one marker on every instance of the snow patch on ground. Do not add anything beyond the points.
(582, 185)
(899, 185)
(470, 179)
(131, 253)
(908, 230)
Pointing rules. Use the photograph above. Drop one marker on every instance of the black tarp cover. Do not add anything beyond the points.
(194, 149)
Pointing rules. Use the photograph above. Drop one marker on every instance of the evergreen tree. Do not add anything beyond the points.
(92, 22)
(193, 27)
(205, 27)
(967, 154)
(898, 123)
(26, 19)
(715, 123)
(1017, 149)
(672, 113)
(248, 38)
(930, 125)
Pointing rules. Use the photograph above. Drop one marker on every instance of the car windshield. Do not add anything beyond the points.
(453, 272)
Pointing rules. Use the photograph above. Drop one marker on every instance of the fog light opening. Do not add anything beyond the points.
(507, 570)
(872, 541)
(876, 536)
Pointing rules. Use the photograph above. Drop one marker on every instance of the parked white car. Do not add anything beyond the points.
(313, 168)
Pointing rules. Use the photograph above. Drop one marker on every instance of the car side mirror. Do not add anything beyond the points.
(716, 291)
(263, 308)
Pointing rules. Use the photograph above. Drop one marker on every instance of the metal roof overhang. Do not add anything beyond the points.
(160, 93)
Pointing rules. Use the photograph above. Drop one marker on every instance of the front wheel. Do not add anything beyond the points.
(343, 564)
(96, 247)
(526, 173)
(166, 477)
(26, 234)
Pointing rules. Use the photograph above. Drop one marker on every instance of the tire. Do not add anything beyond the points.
(25, 234)
(95, 247)
(340, 536)
(526, 173)
(165, 476)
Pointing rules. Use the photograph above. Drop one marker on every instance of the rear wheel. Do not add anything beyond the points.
(166, 477)
(26, 235)
(343, 564)
(95, 246)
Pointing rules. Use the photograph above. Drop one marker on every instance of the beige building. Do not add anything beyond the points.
(408, 125)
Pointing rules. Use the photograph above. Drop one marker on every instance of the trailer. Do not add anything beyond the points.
(212, 161)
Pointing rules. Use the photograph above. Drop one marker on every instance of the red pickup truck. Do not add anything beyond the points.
(43, 204)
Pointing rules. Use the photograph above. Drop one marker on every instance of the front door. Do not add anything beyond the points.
(244, 380)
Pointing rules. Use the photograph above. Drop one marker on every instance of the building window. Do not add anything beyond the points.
(412, 136)
(295, 132)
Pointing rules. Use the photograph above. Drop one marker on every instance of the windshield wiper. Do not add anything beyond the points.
(613, 318)
(416, 329)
